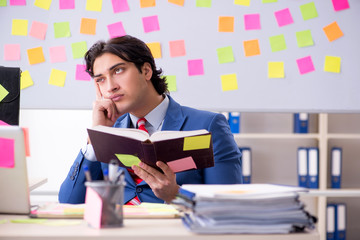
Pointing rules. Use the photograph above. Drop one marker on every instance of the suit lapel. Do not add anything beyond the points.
(174, 118)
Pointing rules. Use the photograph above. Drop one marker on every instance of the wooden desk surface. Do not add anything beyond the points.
(134, 229)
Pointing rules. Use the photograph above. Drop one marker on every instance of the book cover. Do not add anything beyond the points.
(302, 158)
(234, 122)
(246, 164)
(181, 150)
(336, 162)
(301, 123)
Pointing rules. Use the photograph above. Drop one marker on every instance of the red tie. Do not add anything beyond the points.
(141, 124)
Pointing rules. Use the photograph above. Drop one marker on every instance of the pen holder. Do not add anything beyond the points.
(104, 204)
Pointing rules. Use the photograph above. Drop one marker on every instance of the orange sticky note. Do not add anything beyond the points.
(35, 55)
(177, 2)
(333, 31)
(26, 138)
(251, 47)
(226, 24)
(88, 26)
(147, 3)
(155, 49)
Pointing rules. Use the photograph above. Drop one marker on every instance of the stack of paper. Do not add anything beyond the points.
(250, 208)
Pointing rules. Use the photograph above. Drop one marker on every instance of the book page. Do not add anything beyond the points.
(125, 132)
(164, 135)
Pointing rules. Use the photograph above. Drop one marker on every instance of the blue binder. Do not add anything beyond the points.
(340, 221)
(234, 122)
(246, 164)
(301, 123)
(313, 167)
(302, 169)
(336, 163)
(331, 222)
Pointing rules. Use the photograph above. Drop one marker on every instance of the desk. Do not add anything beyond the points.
(134, 229)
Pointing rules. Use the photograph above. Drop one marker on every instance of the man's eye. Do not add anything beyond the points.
(98, 80)
(119, 70)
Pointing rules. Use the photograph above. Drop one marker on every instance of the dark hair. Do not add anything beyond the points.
(129, 49)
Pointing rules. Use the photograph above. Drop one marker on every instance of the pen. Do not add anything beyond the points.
(87, 173)
(113, 168)
(106, 174)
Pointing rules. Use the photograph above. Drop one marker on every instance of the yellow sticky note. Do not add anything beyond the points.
(242, 2)
(19, 27)
(177, 2)
(128, 160)
(332, 64)
(147, 3)
(276, 70)
(229, 82)
(57, 78)
(197, 142)
(171, 82)
(25, 80)
(88, 26)
(35, 55)
(94, 5)
(251, 48)
(155, 49)
(45, 4)
(226, 24)
(3, 92)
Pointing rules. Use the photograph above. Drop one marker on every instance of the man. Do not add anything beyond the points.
(129, 87)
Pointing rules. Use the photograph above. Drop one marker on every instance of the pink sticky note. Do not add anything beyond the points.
(182, 164)
(252, 21)
(17, 2)
(2, 123)
(7, 153)
(195, 67)
(93, 208)
(38, 30)
(57, 54)
(340, 4)
(151, 24)
(66, 4)
(283, 17)
(177, 48)
(120, 6)
(116, 30)
(81, 74)
(12, 52)
(305, 65)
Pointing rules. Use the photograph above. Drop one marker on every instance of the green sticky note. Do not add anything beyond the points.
(29, 220)
(203, 3)
(277, 43)
(62, 29)
(308, 11)
(268, 1)
(171, 81)
(304, 38)
(225, 54)
(79, 49)
(197, 142)
(3, 3)
(276, 70)
(128, 160)
(332, 64)
(3, 92)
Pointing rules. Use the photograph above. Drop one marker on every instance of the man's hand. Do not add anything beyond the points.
(163, 185)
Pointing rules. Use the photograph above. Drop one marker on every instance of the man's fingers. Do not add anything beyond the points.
(165, 168)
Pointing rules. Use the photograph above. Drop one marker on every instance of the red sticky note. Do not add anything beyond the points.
(81, 74)
(151, 24)
(177, 48)
(283, 17)
(38, 30)
(340, 4)
(26, 138)
(305, 65)
(182, 164)
(7, 153)
(120, 6)
(195, 67)
(116, 30)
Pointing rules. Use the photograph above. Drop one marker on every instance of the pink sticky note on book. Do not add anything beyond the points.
(182, 164)
(7, 153)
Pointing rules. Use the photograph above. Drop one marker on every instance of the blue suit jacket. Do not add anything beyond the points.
(227, 169)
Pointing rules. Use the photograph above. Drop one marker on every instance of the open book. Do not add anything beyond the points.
(181, 150)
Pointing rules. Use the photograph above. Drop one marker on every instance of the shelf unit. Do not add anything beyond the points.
(274, 149)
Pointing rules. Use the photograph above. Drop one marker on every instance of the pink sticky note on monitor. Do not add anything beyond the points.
(252, 21)
(195, 67)
(17, 2)
(7, 153)
(120, 5)
(340, 4)
(116, 30)
(93, 208)
(81, 74)
(305, 65)
(151, 24)
(38, 30)
(283, 17)
(12, 52)
(182, 164)
(66, 4)
(57, 54)
(2, 123)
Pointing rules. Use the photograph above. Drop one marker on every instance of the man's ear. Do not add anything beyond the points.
(147, 70)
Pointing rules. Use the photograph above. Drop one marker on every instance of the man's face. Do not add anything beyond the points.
(121, 82)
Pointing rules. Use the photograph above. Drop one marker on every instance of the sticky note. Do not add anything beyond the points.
(305, 65)
(19, 27)
(177, 2)
(195, 67)
(26, 141)
(2, 123)
(177, 48)
(12, 52)
(276, 70)
(29, 220)
(79, 49)
(120, 6)
(147, 3)
(229, 82)
(252, 21)
(116, 30)
(171, 82)
(268, 1)
(226, 24)
(57, 54)
(308, 11)
(225, 54)
(44, 4)
(155, 49)
(25, 80)
(283, 17)
(304, 38)
(197, 142)
(93, 208)
(66, 4)
(7, 153)
(332, 64)
(62, 29)
(3, 3)
(182, 164)
(3, 92)
(93, 5)
(242, 2)
(88, 26)
(38, 30)
(333, 31)
(277, 43)
(128, 160)
(340, 4)
(251, 47)
(17, 2)
(203, 3)
(81, 74)
(35, 55)
(57, 77)
(151, 24)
